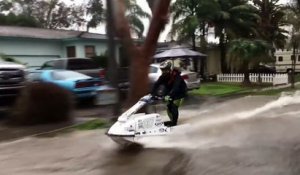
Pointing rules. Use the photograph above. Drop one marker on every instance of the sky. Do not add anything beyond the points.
(143, 4)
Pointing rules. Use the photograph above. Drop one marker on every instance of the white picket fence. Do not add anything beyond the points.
(276, 79)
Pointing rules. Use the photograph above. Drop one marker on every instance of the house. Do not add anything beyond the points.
(34, 46)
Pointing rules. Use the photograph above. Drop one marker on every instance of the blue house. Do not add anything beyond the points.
(34, 46)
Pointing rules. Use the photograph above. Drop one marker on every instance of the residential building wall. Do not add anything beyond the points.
(31, 51)
(34, 52)
(213, 61)
(100, 47)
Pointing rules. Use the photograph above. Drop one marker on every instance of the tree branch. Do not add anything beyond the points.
(152, 4)
(159, 20)
(122, 25)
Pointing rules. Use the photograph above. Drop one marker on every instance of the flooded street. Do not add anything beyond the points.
(249, 135)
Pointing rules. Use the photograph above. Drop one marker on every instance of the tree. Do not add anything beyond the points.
(140, 55)
(134, 14)
(185, 22)
(49, 14)
(234, 19)
(272, 22)
(96, 11)
(296, 3)
(245, 53)
(190, 19)
(293, 18)
(18, 20)
(152, 4)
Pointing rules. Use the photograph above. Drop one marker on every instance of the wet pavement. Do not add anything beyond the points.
(248, 135)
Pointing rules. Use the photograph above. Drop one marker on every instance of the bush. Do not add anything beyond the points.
(41, 103)
(101, 60)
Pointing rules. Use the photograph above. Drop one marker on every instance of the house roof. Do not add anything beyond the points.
(40, 33)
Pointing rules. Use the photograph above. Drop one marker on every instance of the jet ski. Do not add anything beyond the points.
(132, 126)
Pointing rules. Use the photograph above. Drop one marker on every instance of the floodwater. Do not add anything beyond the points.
(249, 135)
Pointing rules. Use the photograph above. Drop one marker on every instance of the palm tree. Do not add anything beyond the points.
(293, 18)
(185, 22)
(135, 14)
(272, 21)
(245, 53)
(235, 18)
(190, 19)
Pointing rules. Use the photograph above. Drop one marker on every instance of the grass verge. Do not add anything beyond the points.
(220, 89)
(93, 124)
(227, 89)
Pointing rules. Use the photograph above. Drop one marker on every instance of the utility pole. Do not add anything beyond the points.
(112, 63)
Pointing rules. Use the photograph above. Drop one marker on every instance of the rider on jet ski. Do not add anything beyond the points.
(175, 90)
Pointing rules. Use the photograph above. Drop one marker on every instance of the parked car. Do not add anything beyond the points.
(191, 79)
(12, 80)
(82, 65)
(264, 69)
(88, 67)
(82, 86)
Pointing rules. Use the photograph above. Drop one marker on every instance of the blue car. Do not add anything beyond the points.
(82, 86)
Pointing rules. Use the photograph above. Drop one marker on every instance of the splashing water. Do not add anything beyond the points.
(284, 100)
(181, 139)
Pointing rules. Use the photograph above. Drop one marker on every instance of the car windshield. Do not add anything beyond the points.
(153, 69)
(65, 75)
(81, 64)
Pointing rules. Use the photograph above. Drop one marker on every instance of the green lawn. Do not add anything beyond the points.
(297, 77)
(225, 89)
(219, 89)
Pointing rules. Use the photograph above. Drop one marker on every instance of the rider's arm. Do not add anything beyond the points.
(156, 85)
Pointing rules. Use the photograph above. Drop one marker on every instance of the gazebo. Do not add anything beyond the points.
(182, 53)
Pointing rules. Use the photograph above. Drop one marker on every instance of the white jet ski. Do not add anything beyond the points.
(131, 127)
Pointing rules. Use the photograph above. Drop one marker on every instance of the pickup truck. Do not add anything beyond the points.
(12, 80)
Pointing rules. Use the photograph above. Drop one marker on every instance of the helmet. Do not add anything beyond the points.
(165, 65)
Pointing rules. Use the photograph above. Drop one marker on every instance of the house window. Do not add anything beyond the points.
(292, 57)
(298, 58)
(90, 51)
(280, 58)
(71, 51)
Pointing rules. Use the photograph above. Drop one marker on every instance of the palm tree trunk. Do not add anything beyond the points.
(293, 66)
(246, 74)
(203, 47)
(222, 47)
(195, 60)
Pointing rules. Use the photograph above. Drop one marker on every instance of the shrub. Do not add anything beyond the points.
(101, 60)
(41, 103)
